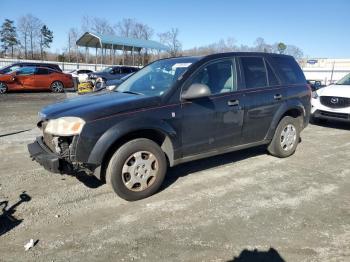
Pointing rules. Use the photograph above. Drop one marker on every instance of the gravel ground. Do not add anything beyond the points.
(246, 204)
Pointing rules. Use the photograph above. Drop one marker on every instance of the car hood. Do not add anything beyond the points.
(94, 106)
(335, 90)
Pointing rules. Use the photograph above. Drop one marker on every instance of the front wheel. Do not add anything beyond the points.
(286, 138)
(57, 87)
(3, 88)
(137, 169)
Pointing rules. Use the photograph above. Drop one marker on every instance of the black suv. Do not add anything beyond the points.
(173, 111)
(15, 66)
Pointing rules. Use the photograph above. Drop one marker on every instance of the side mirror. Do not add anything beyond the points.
(196, 91)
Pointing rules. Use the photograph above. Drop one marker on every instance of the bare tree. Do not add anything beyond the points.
(73, 35)
(126, 27)
(23, 29)
(294, 51)
(261, 46)
(170, 39)
(29, 27)
(97, 25)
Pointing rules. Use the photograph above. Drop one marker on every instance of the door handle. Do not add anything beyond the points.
(233, 103)
(277, 97)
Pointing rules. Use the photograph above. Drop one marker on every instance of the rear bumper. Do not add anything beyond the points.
(39, 152)
(331, 115)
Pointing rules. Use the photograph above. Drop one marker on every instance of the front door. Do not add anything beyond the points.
(215, 121)
(24, 78)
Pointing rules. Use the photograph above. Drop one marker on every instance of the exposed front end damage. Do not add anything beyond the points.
(56, 153)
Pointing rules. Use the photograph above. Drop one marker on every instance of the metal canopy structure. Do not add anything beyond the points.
(110, 42)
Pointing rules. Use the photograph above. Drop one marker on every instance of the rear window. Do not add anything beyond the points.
(289, 70)
(42, 71)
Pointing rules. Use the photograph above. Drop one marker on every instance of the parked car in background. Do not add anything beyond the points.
(332, 102)
(35, 78)
(109, 84)
(173, 111)
(315, 84)
(16, 66)
(113, 72)
(80, 74)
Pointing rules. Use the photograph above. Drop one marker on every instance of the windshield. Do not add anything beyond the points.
(10, 69)
(107, 69)
(345, 80)
(156, 78)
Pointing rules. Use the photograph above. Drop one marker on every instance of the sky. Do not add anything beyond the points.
(319, 27)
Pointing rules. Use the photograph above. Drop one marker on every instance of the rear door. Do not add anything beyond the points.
(42, 78)
(215, 121)
(263, 96)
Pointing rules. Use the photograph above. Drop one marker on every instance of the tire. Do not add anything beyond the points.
(57, 87)
(286, 137)
(137, 169)
(3, 88)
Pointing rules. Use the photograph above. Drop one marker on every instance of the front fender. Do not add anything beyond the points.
(125, 127)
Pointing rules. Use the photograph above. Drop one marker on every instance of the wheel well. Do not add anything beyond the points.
(156, 136)
(295, 113)
(56, 81)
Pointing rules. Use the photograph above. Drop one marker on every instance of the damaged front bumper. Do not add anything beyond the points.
(44, 156)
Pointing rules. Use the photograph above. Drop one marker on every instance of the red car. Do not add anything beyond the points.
(35, 78)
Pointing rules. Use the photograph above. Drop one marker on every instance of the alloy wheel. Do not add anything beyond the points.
(3, 88)
(57, 87)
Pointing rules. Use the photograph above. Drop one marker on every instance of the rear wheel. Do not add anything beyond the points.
(137, 169)
(57, 87)
(286, 138)
(3, 88)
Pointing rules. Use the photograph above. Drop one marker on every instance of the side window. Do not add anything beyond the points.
(273, 81)
(116, 70)
(42, 71)
(220, 77)
(26, 71)
(290, 70)
(254, 72)
(125, 70)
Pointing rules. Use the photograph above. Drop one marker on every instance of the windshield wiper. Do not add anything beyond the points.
(131, 92)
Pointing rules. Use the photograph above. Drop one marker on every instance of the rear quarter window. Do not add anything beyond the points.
(289, 70)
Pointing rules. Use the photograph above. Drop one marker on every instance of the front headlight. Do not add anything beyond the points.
(65, 126)
(112, 87)
(314, 95)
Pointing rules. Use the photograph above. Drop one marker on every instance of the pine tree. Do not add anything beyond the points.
(8, 36)
(46, 38)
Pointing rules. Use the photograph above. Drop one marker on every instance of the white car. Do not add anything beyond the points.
(81, 74)
(333, 101)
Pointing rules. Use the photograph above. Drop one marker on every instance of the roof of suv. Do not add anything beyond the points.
(218, 55)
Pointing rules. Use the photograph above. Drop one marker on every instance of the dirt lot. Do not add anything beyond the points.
(208, 210)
